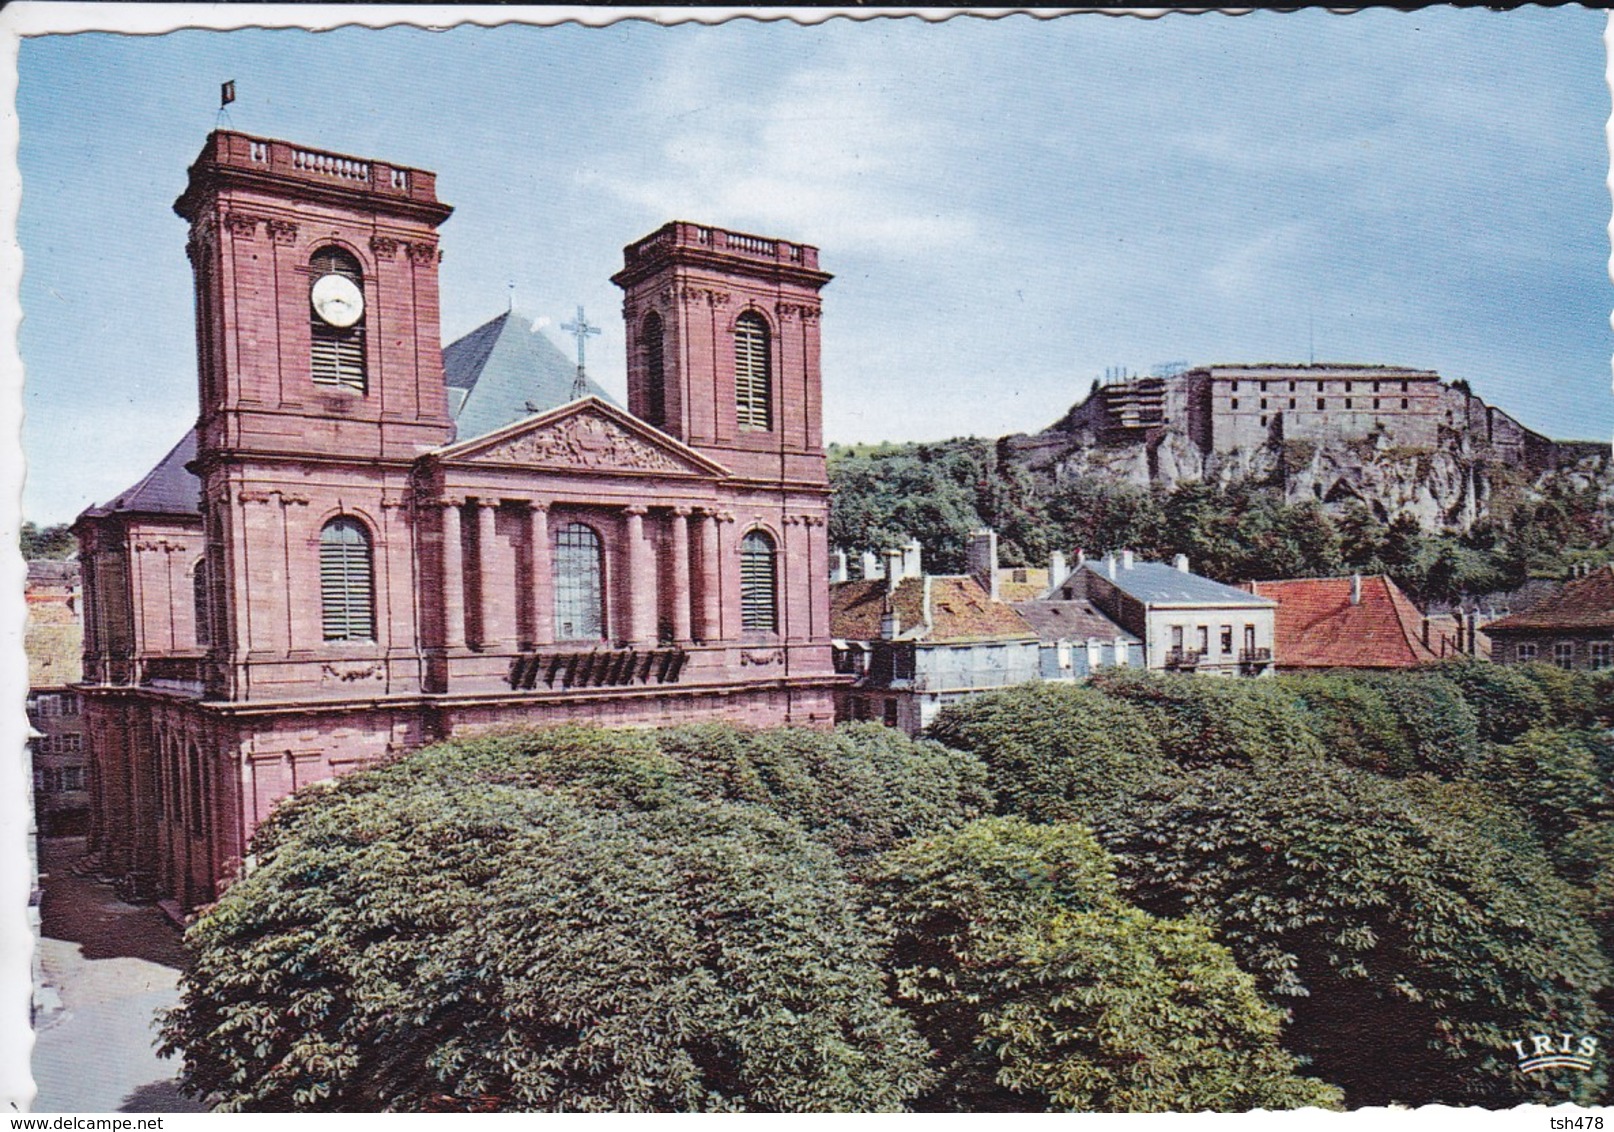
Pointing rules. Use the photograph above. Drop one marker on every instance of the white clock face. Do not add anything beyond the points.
(337, 300)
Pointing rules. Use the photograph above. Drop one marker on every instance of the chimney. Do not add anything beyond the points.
(910, 559)
(1081, 558)
(982, 560)
(871, 566)
(890, 623)
(837, 566)
(1109, 565)
(1056, 569)
(1181, 562)
(1126, 560)
(1473, 632)
(1356, 589)
(893, 568)
(1426, 632)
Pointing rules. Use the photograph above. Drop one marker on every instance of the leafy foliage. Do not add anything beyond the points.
(1410, 942)
(55, 541)
(1506, 701)
(1211, 721)
(569, 920)
(1380, 871)
(1054, 751)
(1040, 987)
(1232, 532)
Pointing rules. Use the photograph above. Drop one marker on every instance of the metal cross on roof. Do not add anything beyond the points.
(580, 330)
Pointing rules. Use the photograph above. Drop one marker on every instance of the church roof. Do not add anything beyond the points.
(499, 373)
(168, 489)
(505, 370)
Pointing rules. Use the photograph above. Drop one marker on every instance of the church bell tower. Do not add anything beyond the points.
(723, 347)
(320, 380)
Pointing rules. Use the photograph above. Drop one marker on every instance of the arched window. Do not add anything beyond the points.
(655, 371)
(336, 351)
(579, 584)
(203, 602)
(753, 391)
(346, 581)
(759, 604)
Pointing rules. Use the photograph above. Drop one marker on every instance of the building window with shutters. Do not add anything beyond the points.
(759, 586)
(1602, 654)
(579, 576)
(655, 370)
(1563, 654)
(346, 579)
(753, 388)
(336, 352)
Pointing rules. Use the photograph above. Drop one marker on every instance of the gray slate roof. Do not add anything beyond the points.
(1070, 621)
(497, 374)
(168, 489)
(505, 370)
(1159, 584)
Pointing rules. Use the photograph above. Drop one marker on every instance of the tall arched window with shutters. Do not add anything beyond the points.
(655, 370)
(579, 574)
(346, 581)
(759, 587)
(753, 389)
(336, 351)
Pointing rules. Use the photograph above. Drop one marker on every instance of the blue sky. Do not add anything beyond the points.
(1010, 206)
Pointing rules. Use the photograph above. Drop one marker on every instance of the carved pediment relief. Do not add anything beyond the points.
(592, 441)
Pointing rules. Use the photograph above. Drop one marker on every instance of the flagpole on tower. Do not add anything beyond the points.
(226, 96)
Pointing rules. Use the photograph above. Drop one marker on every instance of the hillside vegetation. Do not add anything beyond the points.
(1245, 530)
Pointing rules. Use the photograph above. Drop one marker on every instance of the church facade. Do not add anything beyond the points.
(331, 569)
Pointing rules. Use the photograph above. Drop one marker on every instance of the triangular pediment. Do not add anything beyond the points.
(585, 435)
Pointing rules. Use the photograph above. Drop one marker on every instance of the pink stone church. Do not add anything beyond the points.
(369, 542)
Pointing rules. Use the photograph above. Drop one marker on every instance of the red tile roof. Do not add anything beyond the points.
(1318, 627)
(1582, 603)
(961, 611)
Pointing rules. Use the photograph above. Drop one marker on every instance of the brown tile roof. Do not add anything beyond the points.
(960, 611)
(1582, 603)
(55, 647)
(1318, 627)
(1070, 621)
(1033, 585)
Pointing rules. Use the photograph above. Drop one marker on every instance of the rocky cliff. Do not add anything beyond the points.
(1452, 484)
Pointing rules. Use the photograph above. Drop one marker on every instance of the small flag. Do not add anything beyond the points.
(226, 94)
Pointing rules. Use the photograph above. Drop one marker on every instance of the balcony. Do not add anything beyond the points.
(1182, 658)
(1255, 658)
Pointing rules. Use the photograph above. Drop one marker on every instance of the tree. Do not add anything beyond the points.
(1407, 926)
(1041, 988)
(55, 541)
(561, 920)
(1054, 752)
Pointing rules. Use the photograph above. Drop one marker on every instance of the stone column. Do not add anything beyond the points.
(486, 537)
(453, 577)
(711, 594)
(543, 581)
(681, 519)
(639, 582)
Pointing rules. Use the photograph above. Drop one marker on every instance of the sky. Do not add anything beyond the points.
(1010, 206)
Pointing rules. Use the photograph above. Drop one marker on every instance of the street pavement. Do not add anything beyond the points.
(109, 968)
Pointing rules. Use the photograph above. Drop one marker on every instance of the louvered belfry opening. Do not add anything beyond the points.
(579, 584)
(759, 603)
(336, 356)
(346, 581)
(655, 371)
(752, 389)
